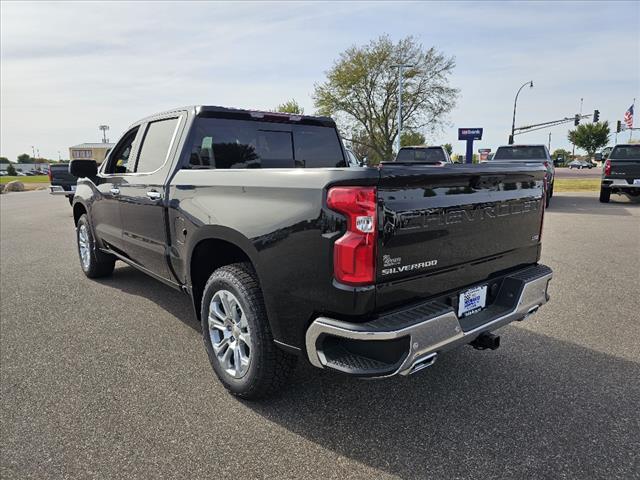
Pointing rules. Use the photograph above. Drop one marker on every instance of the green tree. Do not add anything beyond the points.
(4, 160)
(25, 158)
(11, 170)
(290, 106)
(590, 136)
(410, 138)
(448, 148)
(361, 92)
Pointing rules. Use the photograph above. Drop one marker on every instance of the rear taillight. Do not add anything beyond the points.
(544, 206)
(354, 254)
(546, 164)
(607, 167)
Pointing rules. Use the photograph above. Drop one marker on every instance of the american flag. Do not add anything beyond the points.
(628, 117)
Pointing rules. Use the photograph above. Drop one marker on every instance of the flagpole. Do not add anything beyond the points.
(631, 129)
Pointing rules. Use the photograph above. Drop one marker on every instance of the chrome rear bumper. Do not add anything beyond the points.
(431, 328)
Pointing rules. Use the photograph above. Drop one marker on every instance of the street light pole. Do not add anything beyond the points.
(513, 123)
(400, 75)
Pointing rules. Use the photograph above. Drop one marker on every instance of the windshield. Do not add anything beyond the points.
(627, 152)
(520, 153)
(424, 155)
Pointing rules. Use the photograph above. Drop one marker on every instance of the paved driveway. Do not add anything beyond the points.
(109, 379)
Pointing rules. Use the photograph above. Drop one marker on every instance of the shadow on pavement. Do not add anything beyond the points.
(134, 282)
(539, 408)
(589, 204)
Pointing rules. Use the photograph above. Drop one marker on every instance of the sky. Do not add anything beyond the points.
(66, 68)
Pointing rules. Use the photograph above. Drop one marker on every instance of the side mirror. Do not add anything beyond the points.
(83, 168)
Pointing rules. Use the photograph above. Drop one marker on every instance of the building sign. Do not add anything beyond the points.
(470, 134)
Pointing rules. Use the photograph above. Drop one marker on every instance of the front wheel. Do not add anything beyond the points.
(605, 195)
(94, 263)
(237, 335)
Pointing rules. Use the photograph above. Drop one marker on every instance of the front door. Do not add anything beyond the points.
(105, 211)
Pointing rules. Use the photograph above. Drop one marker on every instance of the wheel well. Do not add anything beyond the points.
(208, 255)
(78, 211)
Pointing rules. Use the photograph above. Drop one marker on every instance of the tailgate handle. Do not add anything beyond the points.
(153, 195)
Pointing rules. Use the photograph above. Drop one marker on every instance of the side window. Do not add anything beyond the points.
(119, 158)
(317, 147)
(155, 145)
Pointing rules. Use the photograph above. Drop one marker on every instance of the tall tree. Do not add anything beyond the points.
(25, 158)
(4, 160)
(410, 138)
(361, 92)
(448, 148)
(290, 106)
(590, 136)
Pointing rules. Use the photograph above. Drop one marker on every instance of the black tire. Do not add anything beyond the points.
(99, 264)
(547, 200)
(269, 367)
(551, 190)
(605, 195)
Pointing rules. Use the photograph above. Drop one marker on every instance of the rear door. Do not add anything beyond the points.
(444, 227)
(105, 209)
(142, 195)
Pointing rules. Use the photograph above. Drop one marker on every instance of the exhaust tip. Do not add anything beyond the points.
(423, 363)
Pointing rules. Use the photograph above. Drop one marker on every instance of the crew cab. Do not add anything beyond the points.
(529, 154)
(62, 182)
(621, 172)
(288, 252)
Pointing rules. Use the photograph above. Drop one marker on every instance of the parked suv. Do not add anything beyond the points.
(287, 252)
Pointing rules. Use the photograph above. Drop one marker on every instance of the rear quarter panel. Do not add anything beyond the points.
(277, 217)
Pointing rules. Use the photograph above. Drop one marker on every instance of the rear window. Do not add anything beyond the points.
(428, 155)
(226, 143)
(628, 152)
(520, 153)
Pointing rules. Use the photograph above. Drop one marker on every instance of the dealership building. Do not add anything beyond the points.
(90, 151)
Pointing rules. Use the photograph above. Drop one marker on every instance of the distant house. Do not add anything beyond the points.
(90, 151)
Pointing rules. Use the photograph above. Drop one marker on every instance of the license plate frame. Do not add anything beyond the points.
(472, 301)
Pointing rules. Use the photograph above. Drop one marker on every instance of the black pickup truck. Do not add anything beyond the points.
(286, 251)
(621, 172)
(62, 182)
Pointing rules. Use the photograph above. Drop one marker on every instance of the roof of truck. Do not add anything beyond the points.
(238, 113)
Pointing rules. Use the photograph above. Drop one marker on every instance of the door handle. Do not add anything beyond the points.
(115, 191)
(153, 195)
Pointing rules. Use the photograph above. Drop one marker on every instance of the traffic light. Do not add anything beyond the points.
(596, 115)
(618, 126)
(576, 120)
(511, 139)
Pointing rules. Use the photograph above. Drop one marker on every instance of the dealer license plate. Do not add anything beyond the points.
(636, 181)
(472, 301)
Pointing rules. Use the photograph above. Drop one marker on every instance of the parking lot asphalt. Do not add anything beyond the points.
(584, 173)
(109, 378)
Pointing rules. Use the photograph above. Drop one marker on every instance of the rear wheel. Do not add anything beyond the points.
(237, 335)
(94, 263)
(605, 195)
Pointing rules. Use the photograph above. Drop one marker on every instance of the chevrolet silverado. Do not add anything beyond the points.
(286, 251)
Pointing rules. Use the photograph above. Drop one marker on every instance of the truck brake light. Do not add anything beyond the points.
(607, 168)
(354, 254)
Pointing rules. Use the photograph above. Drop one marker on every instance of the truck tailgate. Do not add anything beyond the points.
(447, 227)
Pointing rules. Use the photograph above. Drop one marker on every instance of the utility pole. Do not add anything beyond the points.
(631, 129)
(400, 67)
(549, 147)
(573, 149)
(33, 152)
(104, 129)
